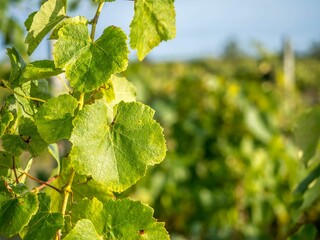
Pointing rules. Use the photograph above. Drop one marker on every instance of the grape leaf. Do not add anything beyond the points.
(5, 120)
(89, 209)
(29, 20)
(40, 23)
(17, 66)
(81, 187)
(122, 89)
(6, 163)
(6, 159)
(15, 211)
(116, 153)
(36, 89)
(28, 139)
(118, 89)
(307, 133)
(83, 230)
(77, 19)
(13, 144)
(121, 219)
(40, 69)
(54, 118)
(90, 188)
(89, 64)
(31, 138)
(44, 224)
(153, 22)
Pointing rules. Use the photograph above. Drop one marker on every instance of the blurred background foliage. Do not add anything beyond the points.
(232, 164)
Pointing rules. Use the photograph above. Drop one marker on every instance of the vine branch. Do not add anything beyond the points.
(46, 183)
(42, 182)
(14, 169)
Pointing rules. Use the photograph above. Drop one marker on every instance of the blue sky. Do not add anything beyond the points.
(204, 26)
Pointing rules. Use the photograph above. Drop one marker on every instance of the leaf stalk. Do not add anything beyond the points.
(14, 169)
(95, 20)
(21, 95)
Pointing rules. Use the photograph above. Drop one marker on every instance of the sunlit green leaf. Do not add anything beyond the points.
(13, 144)
(6, 163)
(27, 107)
(123, 90)
(5, 120)
(121, 219)
(28, 139)
(116, 153)
(44, 224)
(89, 64)
(40, 69)
(6, 159)
(153, 22)
(83, 230)
(77, 19)
(54, 118)
(16, 211)
(89, 209)
(118, 89)
(17, 66)
(29, 20)
(90, 189)
(40, 23)
(31, 138)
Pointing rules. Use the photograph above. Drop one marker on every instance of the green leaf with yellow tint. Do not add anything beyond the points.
(17, 66)
(40, 69)
(5, 120)
(89, 64)
(153, 22)
(116, 153)
(15, 211)
(39, 24)
(54, 118)
(121, 219)
(44, 224)
(83, 230)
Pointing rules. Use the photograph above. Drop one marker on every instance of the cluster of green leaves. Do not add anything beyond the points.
(232, 164)
(114, 138)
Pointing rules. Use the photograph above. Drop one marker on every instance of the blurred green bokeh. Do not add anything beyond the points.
(231, 164)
